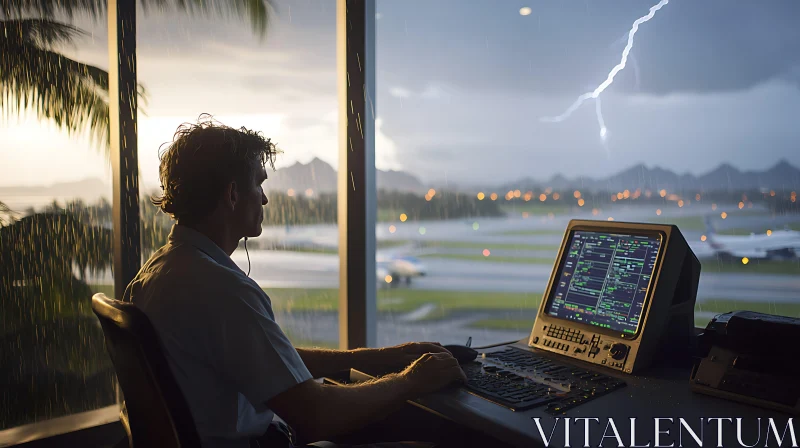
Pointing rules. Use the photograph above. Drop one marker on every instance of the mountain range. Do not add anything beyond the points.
(782, 176)
(321, 177)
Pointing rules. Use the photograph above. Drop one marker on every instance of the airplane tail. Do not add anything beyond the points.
(709, 225)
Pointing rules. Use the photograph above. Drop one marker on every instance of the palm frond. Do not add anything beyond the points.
(72, 94)
(43, 33)
(256, 11)
(7, 216)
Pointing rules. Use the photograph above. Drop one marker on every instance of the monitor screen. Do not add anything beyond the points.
(604, 279)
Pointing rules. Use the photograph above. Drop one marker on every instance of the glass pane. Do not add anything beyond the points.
(282, 84)
(55, 227)
(474, 110)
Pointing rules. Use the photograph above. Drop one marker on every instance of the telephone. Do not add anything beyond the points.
(750, 357)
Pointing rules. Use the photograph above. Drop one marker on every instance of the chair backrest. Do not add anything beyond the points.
(157, 410)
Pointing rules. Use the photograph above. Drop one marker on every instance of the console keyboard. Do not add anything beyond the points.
(520, 380)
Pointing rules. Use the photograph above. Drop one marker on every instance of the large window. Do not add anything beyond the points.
(283, 84)
(473, 111)
(55, 227)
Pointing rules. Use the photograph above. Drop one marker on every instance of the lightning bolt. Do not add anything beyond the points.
(595, 94)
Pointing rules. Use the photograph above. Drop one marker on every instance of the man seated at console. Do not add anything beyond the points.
(232, 361)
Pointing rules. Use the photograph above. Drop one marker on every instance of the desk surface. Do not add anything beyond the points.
(661, 393)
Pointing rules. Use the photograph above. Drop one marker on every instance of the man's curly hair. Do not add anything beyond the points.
(204, 157)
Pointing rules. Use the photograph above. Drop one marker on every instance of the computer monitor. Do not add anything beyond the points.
(618, 293)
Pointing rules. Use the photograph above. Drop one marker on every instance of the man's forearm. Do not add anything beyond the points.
(348, 408)
(321, 362)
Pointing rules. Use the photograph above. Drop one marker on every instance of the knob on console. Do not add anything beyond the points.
(618, 351)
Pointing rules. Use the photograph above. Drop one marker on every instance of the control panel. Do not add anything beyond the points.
(619, 296)
(584, 345)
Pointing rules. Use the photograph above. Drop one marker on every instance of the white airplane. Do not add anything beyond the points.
(393, 270)
(773, 245)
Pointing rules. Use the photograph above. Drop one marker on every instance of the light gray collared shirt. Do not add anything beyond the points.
(222, 343)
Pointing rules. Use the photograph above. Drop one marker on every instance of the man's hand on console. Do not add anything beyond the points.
(400, 356)
(433, 371)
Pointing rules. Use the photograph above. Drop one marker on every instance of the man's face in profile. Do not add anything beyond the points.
(252, 198)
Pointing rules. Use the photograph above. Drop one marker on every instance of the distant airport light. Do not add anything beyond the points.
(392, 228)
(428, 197)
(680, 203)
(309, 192)
(493, 196)
(509, 196)
(542, 197)
(697, 197)
(613, 198)
(713, 206)
(422, 230)
(517, 193)
(525, 11)
(556, 196)
(577, 194)
(481, 196)
(610, 218)
(626, 194)
(769, 232)
(388, 279)
(431, 192)
(595, 212)
(486, 252)
(703, 238)
(741, 205)
(290, 192)
(620, 195)
(403, 217)
(528, 196)
(658, 212)
(581, 202)
(663, 193)
(525, 215)
(772, 192)
(745, 260)
(475, 226)
(723, 215)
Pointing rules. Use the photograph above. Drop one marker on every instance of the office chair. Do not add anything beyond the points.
(155, 412)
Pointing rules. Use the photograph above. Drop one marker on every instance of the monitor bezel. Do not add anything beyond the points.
(611, 229)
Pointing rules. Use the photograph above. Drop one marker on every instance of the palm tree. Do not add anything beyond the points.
(34, 77)
(44, 307)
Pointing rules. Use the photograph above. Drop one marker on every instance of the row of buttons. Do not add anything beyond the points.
(613, 363)
(556, 345)
(568, 334)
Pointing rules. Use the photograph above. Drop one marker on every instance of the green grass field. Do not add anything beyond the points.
(490, 246)
(403, 300)
(705, 311)
(492, 258)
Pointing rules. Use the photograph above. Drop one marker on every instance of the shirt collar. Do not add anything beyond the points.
(186, 235)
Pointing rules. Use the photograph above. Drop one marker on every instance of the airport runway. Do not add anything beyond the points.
(283, 269)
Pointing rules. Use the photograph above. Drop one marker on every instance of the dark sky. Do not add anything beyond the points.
(462, 86)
